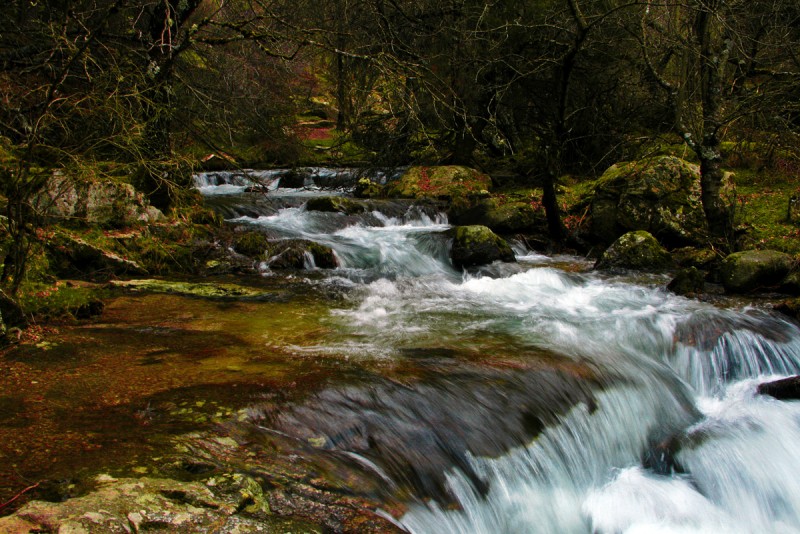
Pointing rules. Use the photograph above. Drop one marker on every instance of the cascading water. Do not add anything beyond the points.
(673, 439)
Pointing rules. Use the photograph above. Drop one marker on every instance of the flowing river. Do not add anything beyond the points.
(544, 397)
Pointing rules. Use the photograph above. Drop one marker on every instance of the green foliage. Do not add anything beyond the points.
(762, 205)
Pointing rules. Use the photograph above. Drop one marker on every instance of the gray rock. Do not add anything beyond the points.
(142, 505)
(104, 202)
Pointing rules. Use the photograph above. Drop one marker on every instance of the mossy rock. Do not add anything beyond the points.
(205, 290)
(689, 281)
(705, 259)
(366, 188)
(743, 272)
(251, 244)
(448, 182)
(74, 256)
(147, 505)
(660, 195)
(638, 251)
(477, 245)
(301, 254)
(500, 216)
(791, 284)
(790, 307)
(106, 203)
(345, 205)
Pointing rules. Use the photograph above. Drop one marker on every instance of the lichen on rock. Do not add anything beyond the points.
(660, 195)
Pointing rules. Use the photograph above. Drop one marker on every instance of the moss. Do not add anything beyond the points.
(55, 300)
(336, 204)
(366, 188)
(251, 244)
(637, 250)
(749, 270)
(206, 290)
(761, 210)
(478, 245)
(452, 182)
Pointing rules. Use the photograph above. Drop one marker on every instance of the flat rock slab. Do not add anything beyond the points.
(195, 289)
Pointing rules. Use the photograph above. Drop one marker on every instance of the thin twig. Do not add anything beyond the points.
(20, 494)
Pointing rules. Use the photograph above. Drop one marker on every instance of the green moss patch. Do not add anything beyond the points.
(445, 182)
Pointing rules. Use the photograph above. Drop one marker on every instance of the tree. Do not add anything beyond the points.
(720, 62)
(97, 80)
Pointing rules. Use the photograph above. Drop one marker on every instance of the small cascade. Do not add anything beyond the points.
(667, 434)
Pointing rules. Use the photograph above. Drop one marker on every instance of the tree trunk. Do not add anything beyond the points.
(714, 52)
(711, 178)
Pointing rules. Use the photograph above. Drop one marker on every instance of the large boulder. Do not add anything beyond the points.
(450, 182)
(660, 195)
(102, 202)
(502, 217)
(637, 251)
(478, 245)
(743, 272)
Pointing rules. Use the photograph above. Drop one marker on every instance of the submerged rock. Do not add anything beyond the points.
(635, 250)
(478, 245)
(747, 271)
(783, 389)
(660, 195)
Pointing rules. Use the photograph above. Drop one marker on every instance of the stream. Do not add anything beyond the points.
(531, 397)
